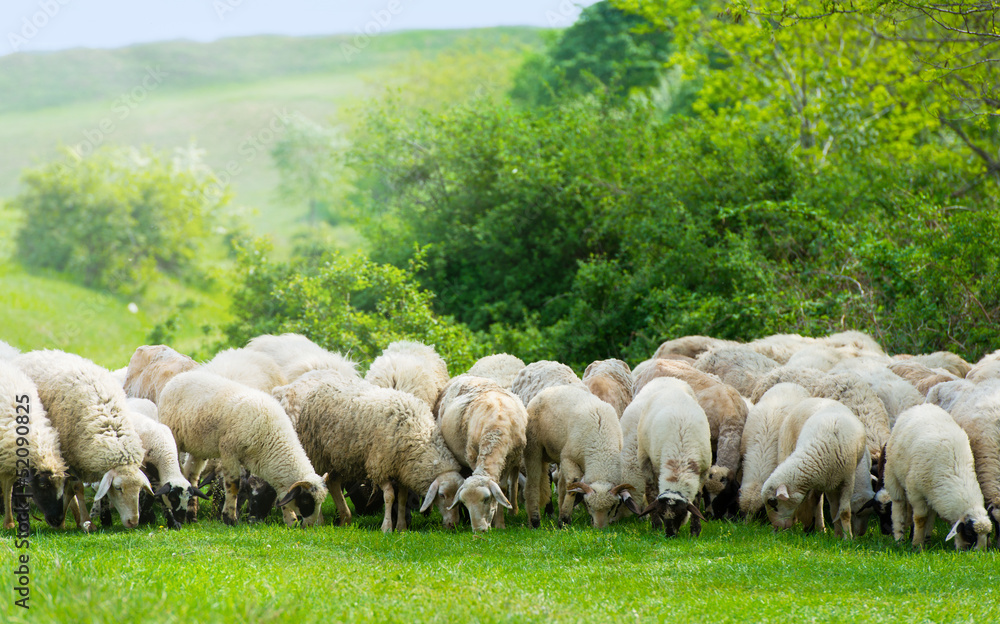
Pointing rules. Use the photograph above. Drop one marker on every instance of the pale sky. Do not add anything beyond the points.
(34, 25)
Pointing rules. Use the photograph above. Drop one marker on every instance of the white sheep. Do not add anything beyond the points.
(929, 471)
(740, 366)
(759, 445)
(979, 417)
(484, 426)
(500, 367)
(922, 377)
(250, 368)
(949, 394)
(569, 426)
(610, 381)
(540, 375)
(781, 347)
(356, 430)
(151, 367)
(827, 450)
(8, 352)
(983, 371)
(296, 355)
(675, 453)
(411, 367)
(897, 394)
(293, 396)
(88, 408)
(953, 363)
(690, 346)
(22, 416)
(211, 416)
(856, 341)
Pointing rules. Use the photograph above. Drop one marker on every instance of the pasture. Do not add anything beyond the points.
(628, 573)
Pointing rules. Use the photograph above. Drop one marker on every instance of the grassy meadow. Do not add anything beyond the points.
(732, 573)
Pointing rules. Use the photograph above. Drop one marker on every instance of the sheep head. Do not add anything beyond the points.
(50, 493)
(304, 500)
(782, 502)
(175, 497)
(443, 490)
(122, 486)
(481, 494)
(673, 509)
(602, 498)
(972, 530)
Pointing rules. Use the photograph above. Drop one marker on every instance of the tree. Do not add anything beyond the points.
(309, 159)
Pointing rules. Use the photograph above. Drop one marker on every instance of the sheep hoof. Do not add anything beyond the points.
(536, 522)
(191, 517)
(229, 519)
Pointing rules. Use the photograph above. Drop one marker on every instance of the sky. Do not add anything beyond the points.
(36, 25)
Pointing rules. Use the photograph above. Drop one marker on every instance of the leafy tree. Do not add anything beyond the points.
(112, 219)
(309, 159)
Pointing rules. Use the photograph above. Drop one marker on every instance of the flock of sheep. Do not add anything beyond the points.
(775, 429)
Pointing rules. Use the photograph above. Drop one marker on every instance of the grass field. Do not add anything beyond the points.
(270, 573)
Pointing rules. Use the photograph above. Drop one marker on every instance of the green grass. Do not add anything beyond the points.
(732, 573)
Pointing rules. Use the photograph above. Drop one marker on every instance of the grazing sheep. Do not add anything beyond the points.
(88, 408)
(632, 474)
(250, 368)
(983, 371)
(484, 426)
(805, 377)
(143, 406)
(211, 416)
(151, 367)
(897, 394)
(950, 394)
(293, 396)
(863, 497)
(859, 342)
(296, 355)
(781, 347)
(22, 415)
(726, 412)
(580, 432)
(501, 368)
(979, 417)
(610, 381)
(824, 460)
(740, 367)
(356, 430)
(759, 444)
(690, 346)
(411, 367)
(928, 471)
(944, 360)
(540, 375)
(675, 453)
(922, 377)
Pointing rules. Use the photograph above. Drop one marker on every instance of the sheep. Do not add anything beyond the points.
(950, 394)
(151, 367)
(570, 426)
(805, 377)
(929, 471)
(863, 496)
(675, 453)
(826, 452)
(250, 368)
(88, 408)
(296, 355)
(411, 367)
(780, 347)
(610, 381)
(987, 370)
(897, 395)
(979, 417)
(859, 342)
(726, 412)
(501, 368)
(293, 396)
(690, 346)
(540, 375)
(484, 426)
(22, 415)
(944, 360)
(740, 367)
(143, 406)
(821, 357)
(922, 377)
(355, 430)
(211, 416)
(759, 444)
(120, 374)
(8, 352)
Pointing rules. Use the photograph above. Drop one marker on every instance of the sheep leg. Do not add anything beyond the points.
(844, 517)
(77, 505)
(192, 472)
(337, 492)
(537, 479)
(401, 500)
(8, 504)
(568, 473)
(900, 518)
(388, 495)
(231, 477)
(920, 510)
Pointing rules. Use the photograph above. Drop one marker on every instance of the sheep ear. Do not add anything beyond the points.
(953, 532)
(782, 492)
(290, 496)
(868, 505)
(458, 495)
(196, 492)
(432, 492)
(163, 491)
(498, 494)
(105, 485)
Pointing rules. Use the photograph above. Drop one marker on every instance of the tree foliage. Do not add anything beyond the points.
(113, 218)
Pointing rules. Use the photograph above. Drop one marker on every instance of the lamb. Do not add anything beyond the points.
(296, 355)
(610, 381)
(411, 367)
(151, 367)
(827, 450)
(250, 368)
(690, 346)
(781, 347)
(739, 367)
(484, 426)
(675, 453)
(570, 426)
(928, 471)
(540, 375)
(211, 416)
(501, 368)
(87, 407)
(23, 415)
(759, 445)
(979, 417)
(356, 430)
